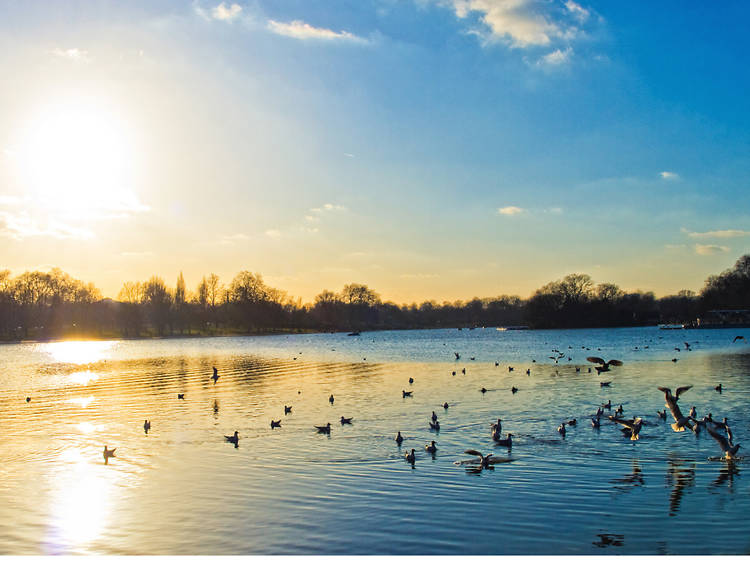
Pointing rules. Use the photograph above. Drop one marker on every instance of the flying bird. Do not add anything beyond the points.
(108, 453)
(633, 425)
(681, 421)
(738, 338)
(730, 451)
(603, 365)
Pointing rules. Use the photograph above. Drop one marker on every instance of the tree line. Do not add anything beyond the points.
(38, 305)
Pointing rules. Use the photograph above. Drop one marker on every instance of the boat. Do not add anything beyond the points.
(353, 334)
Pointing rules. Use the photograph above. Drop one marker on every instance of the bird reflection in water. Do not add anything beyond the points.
(726, 475)
(679, 478)
(631, 480)
(609, 539)
(216, 408)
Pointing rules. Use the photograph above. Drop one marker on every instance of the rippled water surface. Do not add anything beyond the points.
(182, 489)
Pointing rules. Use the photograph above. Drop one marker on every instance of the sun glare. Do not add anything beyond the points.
(79, 353)
(76, 156)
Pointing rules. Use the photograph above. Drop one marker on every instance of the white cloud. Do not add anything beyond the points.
(670, 176)
(509, 211)
(222, 12)
(75, 55)
(577, 11)
(523, 23)
(232, 238)
(298, 29)
(709, 249)
(20, 226)
(732, 233)
(556, 58)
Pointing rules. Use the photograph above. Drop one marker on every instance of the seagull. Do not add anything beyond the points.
(485, 461)
(445, 405)
(434, 416)
(671, 403)
(497, 426)
(693, 413)
(724, 424)
(435, 425)
(108, 453)
(410, 457)
(687, 345)
(233, 438)
(718, 388)
(528, 371)
(345, 421)
(324, 428)
(514, 390)
(561, 429)
(404, 394)
(275, 424)
(215, 376)
(730, 451)
(411, 380)
(510, 369)
(180, 397)
(399, 439)
(507, 442)
(146, 426)
(619, 410)
(595, 423)
(330, 398)
(483, 390)
(738, 338)
(633, 425)
(662, 414)
(603, 365)
(463, 371)
(606, 383)
(431, 448)
(608, 405)
(457, 355)
(572, 422)
(287, 410)
(28, 399)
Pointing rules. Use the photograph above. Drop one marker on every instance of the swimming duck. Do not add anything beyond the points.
(510, 369)
(435, 425)
(399, 439)
(275, 424)
(431, 448)
(345, 421)
(528, 371)
(561, 429)
(718, 388)
(483, 390)
(28, 399)
(180, 397)
(507, 442)
(662, 414)
(445, 405)
(233, 438)
(330, 399)
(595, 423)
(287, 410)
(215, 376)
(404, 394)
(410, 457)
(514, 390)
(608, 405)
(324, 428)
(411, 380)
(693, 413)
(108, 453)
(572, 422)
(146, 426)
(619, 410)
(434, 416)
(605, 383)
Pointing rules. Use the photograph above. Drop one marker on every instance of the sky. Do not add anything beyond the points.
(431, 149)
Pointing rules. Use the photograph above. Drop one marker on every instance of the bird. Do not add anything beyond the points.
(146, 426)
(693, 413)
(411, 380)
(718, 388)
(671, 402)
(324, 428)
(633, 425)
(404, 393)
(514, 390)
(410, 457)
(485, 461)
(275, 424)
(498, 426)
(28, 399)
(445, 405)
(687, 345)
(619, 410)
(674, 359)
(561, 429)
(662, 414)
(724, 424)
(215, 376)
(605, 383)
(595, 423)
(453, 373)
(483, 390)
(287, 410)
(434, 416)
(463, 371)
(435, 425)
(507, 442)
(528, 371)
(431, 448)
(108, 453)
(399, 438)
(738, 338)
(730, 451)
(180, 397)
(497, 364)
(510, 369)
(345, 421)
(602, 364)
(572, 422)
(233, 438)
(608, 405)
(330, 398)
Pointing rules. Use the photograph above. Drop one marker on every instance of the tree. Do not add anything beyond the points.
(157, 300)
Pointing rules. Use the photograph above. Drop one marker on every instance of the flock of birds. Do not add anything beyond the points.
(720, 431)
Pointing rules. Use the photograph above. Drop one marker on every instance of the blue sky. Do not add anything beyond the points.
(433, 149)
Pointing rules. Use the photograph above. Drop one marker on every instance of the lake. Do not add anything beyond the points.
(183, 489)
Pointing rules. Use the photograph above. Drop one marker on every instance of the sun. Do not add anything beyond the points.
(76, 157)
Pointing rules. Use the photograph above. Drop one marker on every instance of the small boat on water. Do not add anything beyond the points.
(353, 334)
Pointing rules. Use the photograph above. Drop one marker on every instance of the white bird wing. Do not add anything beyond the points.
(682, 389)
(720, 439)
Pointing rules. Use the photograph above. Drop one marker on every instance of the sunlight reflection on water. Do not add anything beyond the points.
(78, 352)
